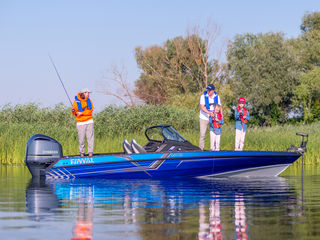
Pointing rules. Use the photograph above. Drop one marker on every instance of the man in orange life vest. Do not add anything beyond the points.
(207, 102)
(82, 108)
(242, 116)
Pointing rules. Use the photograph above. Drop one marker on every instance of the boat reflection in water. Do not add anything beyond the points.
(240, 218)
(41, 201)
(213, 228)
(163, 209)
(83, 227)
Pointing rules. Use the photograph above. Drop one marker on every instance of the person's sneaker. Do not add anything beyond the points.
(81, 155)
(90, 154)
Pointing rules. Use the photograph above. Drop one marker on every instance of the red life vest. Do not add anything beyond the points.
(244, 112)
(215, 122)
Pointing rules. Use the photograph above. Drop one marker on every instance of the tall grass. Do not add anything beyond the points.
(277, 138)
(113, 124)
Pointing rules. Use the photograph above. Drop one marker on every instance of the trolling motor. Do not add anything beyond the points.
(303, 146)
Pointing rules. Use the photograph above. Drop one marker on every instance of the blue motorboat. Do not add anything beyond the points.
(166, 155)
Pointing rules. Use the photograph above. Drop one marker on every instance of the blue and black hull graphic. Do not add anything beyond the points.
(172, 165)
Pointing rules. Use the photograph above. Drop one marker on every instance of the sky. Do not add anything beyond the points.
(86, 38)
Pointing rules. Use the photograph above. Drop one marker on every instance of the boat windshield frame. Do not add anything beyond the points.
(167, 132)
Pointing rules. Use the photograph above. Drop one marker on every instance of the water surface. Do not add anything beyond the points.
(286, 207)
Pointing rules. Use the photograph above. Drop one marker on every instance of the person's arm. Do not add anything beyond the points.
(248, 116)
(219, 102)
(87, 111)
(204, 109)
(74, 108)
(210, 122)
(237, 114)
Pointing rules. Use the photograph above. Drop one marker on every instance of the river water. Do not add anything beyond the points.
(286, 207)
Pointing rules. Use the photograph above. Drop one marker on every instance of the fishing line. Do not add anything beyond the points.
(60, 79)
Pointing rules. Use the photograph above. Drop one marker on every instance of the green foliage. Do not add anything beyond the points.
(188, 100)
(310, 21)
(32, 113)
(308, 94)
(309, 49)
(265, 70)
(14, 136)
(181, 66)
(125, 120)
(112, 125)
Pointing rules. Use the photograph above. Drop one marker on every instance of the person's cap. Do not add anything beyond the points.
(85, 90)
(242, 100)
(211, 87)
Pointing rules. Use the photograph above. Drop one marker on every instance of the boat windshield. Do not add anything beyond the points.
(160, 133)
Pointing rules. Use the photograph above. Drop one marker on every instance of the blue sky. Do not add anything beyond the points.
(85, 38)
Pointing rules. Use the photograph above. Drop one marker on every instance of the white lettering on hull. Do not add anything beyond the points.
(78, 161)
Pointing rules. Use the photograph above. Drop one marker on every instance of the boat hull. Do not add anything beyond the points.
(173, 165)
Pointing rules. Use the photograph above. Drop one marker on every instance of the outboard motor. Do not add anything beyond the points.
(40, 153)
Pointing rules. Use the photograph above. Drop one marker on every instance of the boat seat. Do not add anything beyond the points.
(127, 147)
(136, 147)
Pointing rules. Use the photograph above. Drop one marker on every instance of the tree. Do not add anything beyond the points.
(308, 44)
(116, 77)
(310, 21)
(308, 94)
(308, 47)
(179, 67)
(264, 69)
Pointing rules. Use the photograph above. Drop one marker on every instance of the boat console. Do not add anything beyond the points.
(164, 138)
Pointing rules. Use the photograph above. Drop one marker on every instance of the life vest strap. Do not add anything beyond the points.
(206, 99)
(244, 112)
(80, 108)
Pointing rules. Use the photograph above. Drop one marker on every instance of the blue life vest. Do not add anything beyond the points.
(80, 106)
(206, 99)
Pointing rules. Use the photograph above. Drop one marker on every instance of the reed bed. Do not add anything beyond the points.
(14, 137)
(113, 124)
(277, 138)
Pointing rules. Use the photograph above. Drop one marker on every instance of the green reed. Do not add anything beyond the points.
(113, 124)
(277, 138)
(14, 137)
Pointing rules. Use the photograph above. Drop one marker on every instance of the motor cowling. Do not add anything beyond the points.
(41, 152)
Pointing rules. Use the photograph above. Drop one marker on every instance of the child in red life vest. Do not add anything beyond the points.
(242, 116)
(215, 128)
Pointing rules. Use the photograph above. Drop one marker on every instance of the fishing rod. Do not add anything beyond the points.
(60, 79)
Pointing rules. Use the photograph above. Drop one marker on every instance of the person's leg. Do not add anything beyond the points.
(218, 142)
(81, 138)
(203, 128)
(90, 138)
(212, 141)
(242, 134)
(237, 140)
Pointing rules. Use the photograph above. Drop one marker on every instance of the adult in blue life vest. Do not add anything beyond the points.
(207, 102)
(82, 109)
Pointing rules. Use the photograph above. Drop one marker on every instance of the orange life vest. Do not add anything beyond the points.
(82, 105)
